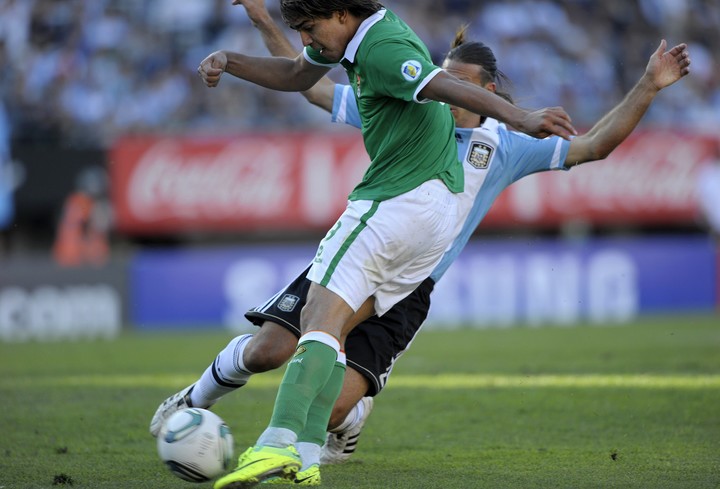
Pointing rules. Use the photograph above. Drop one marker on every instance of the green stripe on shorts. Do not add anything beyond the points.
(348, 241)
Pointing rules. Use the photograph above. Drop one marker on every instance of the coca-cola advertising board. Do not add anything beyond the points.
(650, 179)
(300, 181)
(251, 181)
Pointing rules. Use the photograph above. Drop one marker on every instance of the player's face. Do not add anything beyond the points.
(329, 36)
(470, 73)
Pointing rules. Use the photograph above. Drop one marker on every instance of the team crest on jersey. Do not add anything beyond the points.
(288, 303)
(479, 156)
(357, 85)
(411, 70)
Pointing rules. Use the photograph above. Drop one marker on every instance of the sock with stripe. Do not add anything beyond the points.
(224, 375)
(306, 376)
(352, 419)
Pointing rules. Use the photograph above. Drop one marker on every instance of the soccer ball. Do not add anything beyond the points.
(196, 445)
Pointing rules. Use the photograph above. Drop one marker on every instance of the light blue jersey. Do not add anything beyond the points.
(493, 157)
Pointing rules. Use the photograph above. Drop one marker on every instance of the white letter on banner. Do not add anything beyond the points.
(247, 283)
(447, 307)
(13, 312)
(50, 315)
(612, 287)
(552, 289)
(492, 290)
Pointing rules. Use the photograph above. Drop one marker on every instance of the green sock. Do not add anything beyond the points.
(321, 409)
(305, 377)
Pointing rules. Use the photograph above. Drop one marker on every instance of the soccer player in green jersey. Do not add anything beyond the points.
(401, 217)
(385, 338)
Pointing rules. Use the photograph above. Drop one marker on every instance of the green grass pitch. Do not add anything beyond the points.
(625, 406)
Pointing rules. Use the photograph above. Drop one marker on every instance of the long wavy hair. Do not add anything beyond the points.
(478, 53)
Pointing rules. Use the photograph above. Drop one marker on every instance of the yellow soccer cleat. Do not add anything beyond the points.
(259, 463)
(307, 477)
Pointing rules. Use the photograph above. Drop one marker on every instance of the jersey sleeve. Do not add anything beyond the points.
(313, 56)
(345, 109)
(401, 70)
(529, 155)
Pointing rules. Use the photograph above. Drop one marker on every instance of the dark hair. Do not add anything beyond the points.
(296, 11)
(478, 53)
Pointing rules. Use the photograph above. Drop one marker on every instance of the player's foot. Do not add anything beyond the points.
(307, 477)
(169, 406)
(340, 446)
(259, 463)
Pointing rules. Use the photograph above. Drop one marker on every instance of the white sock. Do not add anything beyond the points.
(224, 375)
(309, 453)
(352, 418)
(277, 437)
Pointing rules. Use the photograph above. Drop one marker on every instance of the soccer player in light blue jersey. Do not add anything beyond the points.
(493, 157)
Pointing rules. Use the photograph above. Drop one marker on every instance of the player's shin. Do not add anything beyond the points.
(310, 441)
(224, 375)
(306, 376)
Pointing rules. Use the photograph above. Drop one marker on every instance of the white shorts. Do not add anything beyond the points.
(386, 249)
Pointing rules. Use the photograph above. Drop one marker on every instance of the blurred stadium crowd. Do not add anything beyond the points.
(90, 223)
(82, 72)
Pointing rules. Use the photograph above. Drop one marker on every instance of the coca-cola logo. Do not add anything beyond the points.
(653, 174)
(246, 177)
(650, 174)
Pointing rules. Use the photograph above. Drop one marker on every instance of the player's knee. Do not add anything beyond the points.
(261, 357)
(270, 348)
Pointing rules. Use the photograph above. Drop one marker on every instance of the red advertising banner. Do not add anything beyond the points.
(649, 179)
(251, 181)
(301, 181)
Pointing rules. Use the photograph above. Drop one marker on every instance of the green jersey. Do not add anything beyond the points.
(409, 141)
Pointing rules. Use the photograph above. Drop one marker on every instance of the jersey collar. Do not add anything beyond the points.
(354, 43)
(489, 124)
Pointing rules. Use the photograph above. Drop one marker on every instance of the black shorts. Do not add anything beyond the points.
(374, 345)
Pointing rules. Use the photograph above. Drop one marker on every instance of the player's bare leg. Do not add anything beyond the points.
(269, 348)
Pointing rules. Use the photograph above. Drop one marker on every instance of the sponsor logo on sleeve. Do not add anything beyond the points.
(411, 70)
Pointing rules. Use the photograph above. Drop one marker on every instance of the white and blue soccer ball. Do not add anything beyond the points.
(196, 445)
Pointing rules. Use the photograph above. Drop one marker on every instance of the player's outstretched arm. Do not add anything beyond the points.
(321, 94)
(540, 123)
(282, 74)
(663, 69)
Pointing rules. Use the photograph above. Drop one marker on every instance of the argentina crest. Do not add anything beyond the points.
(479, 155)
(288, 302)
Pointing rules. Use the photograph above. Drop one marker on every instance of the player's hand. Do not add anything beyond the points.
(212, 68)
(547, 122)
(255, 9)
(665, 68)
(250, 3)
